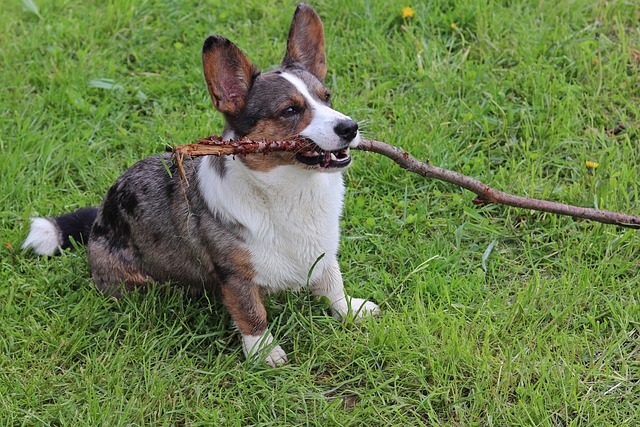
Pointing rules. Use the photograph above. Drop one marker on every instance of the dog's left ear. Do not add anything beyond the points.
(305, 46)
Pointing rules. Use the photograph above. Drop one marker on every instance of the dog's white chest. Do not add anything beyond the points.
(291, 219)
(289, 242)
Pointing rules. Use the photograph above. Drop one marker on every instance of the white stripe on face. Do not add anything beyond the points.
(324, 120)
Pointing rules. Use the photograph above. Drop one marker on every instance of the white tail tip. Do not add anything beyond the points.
(43, 237)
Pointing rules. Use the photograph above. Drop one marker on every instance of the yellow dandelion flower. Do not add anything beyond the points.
(453, 26)
(591, 164)
(408, 12)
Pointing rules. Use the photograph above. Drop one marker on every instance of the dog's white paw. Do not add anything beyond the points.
(277, 357)
(356, 307)
(255, 346)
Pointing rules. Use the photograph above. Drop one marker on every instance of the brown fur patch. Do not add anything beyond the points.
(241, 259)
(244, 303)
(267, 162)
(275, 129)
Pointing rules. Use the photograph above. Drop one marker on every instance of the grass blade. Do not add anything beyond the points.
(30, 6)
(486, 254)
(103, 83)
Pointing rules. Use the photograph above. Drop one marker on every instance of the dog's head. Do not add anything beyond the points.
(283, 103)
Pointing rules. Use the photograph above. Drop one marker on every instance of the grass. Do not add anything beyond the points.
(491, 316)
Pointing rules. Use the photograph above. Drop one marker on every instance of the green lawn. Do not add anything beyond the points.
(492, 316)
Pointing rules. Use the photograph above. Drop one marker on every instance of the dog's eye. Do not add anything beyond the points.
(290, 111)
(327, 97)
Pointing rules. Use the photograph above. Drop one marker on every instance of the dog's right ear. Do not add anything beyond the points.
(229, 74)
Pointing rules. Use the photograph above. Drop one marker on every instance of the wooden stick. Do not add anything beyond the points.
(214, 145)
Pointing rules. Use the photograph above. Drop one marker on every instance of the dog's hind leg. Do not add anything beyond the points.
(114, 271)
(330, 285)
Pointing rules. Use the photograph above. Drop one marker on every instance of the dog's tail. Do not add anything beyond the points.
(47, 236)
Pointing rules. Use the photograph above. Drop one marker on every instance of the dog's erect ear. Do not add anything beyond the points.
(305, 45)
(229, 74)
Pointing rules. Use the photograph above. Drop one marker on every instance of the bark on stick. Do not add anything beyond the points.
(214, 145)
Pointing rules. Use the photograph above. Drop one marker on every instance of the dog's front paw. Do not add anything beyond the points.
(277, 357)
(355, 307)
(255, 347)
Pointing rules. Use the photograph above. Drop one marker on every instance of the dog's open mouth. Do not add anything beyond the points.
(316, 156)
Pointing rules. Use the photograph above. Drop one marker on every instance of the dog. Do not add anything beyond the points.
(245, 225)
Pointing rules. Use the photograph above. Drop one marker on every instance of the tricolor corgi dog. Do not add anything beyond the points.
(245, 225)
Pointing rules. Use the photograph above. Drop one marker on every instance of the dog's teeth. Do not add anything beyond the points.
(333, 157)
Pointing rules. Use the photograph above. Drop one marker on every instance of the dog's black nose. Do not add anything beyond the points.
(346, 129)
